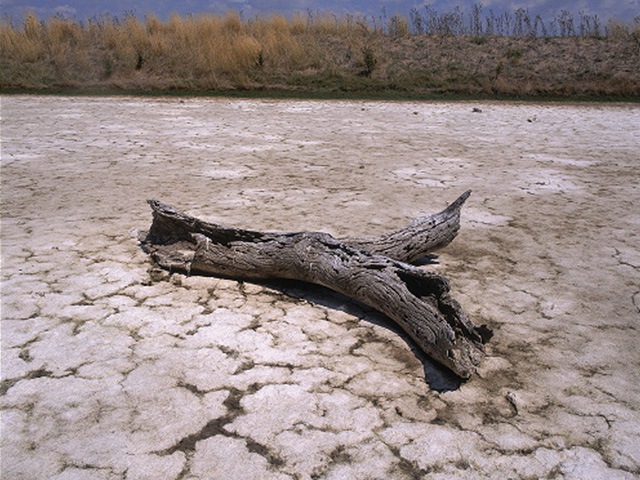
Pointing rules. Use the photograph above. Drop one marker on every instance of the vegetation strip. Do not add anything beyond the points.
(430, 55)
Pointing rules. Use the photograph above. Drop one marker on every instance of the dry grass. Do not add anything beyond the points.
(313, 52)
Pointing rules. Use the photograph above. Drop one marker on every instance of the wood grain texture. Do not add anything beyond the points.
(371, 271)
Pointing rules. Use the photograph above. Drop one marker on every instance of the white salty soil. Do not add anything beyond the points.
(113, 370)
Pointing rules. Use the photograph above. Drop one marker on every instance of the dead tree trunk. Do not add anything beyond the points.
(417, 300)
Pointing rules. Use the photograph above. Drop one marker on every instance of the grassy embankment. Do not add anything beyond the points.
(323, 55)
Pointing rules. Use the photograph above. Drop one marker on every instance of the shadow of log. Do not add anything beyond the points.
(437, 377)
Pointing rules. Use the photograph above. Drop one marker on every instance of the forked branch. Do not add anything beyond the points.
(371, 271)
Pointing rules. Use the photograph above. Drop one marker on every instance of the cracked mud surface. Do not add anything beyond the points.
(112, 369)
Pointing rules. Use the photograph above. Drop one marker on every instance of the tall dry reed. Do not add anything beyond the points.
(452, 51)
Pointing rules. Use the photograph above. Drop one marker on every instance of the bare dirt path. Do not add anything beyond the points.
(110, 371)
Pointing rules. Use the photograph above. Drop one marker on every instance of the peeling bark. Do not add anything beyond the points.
(371, 271)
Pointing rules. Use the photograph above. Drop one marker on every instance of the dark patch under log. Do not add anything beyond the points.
(372, 271)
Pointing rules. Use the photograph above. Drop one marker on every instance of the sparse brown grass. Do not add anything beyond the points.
(322, 53)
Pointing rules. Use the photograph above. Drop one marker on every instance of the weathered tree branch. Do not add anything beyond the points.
(423, 236)
(417, 300)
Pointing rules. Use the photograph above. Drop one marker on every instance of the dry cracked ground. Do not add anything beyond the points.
(112, 369)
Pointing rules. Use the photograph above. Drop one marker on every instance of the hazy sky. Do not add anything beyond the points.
(625, 10)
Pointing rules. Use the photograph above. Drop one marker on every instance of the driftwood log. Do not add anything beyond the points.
(370, 270)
